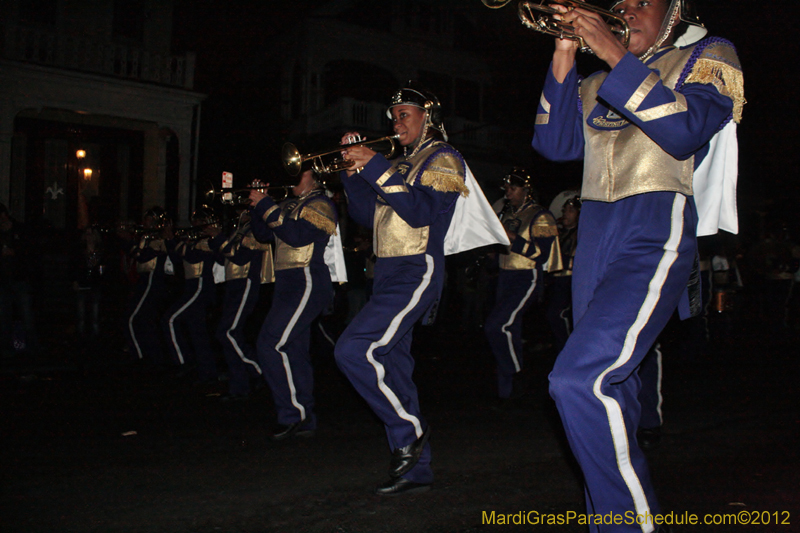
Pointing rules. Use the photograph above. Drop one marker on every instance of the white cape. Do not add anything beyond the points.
(334, 257)
(474, 223)
(714, 184)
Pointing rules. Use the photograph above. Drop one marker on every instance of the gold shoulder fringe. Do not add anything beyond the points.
(318, 219)
(445, 180)
(728, 80)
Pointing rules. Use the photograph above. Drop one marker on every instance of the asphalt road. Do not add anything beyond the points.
(94, 443)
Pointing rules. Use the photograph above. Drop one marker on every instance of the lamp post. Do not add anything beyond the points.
(84, 176)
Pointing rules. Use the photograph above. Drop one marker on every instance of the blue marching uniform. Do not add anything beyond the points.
(518, 286)
(559, 294)
(149, 298)
(184, 323)
(248, 264)
(301, 228)
(409, 205)
(642, 129)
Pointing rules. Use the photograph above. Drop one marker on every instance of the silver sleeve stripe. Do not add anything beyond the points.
(661, 111)
(269, 212)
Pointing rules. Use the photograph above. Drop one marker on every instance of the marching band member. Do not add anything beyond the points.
(185, 322)
(559, 294)
(301, 226)
(409, 204)
(647, 130)
(150, 253)
(248, 265)
(534, 241)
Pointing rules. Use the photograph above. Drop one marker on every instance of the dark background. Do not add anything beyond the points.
(241, 127)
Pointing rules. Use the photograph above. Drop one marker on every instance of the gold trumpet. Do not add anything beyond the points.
(293, 160)
(538, 16)
(241, 196)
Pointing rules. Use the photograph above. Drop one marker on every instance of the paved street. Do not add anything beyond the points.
(92, 442)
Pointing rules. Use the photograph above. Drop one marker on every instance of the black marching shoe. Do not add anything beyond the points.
(404, 459)
(400, 485)
(296, 429)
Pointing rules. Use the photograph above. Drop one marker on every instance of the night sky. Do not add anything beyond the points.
(240, 126)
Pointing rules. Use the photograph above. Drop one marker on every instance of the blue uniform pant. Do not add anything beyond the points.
(559, 309)
(241, 298)
(374, 351)
(632, 265)
(516, 291)
(143, 321)
(283, 342)
(186, 327)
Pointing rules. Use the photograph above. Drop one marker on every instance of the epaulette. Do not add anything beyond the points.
(544, 225)
(714, 61)
(445, 171)
(319, 212)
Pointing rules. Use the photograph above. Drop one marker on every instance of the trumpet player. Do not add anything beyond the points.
(184, 323)
(409, 204)
(248, 265)
(534, 250)
(649, 129)
(301, 227)
(150, 252)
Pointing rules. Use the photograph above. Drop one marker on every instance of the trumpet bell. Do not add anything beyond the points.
(292, 159)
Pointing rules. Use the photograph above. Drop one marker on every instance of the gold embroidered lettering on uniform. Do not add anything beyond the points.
(603, 122)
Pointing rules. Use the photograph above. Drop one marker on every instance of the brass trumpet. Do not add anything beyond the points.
(241, 196)
(293, 160)
(538, 16)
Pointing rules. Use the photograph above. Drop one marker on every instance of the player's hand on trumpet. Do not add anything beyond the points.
(359, 155)
(593, 30)
(256, 195)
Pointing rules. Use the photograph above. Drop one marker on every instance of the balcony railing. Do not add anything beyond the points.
(89, 55)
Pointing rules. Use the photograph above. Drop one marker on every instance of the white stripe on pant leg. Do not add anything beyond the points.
(136, 311)
(177, 313)
(565, 318)
(394, 325)
(235, 323)
(616, 421)
(285, 336)
(504, 328)
(657, 349)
